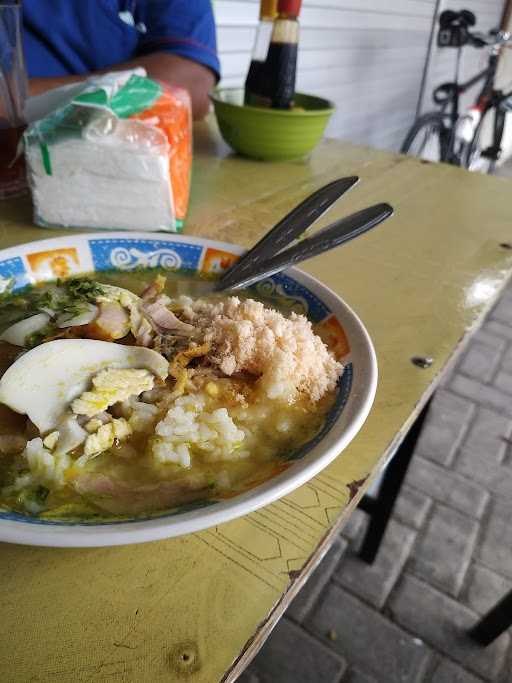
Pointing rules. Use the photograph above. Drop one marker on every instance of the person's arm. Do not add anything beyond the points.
(173, 69)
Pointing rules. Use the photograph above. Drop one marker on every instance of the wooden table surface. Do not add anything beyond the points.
(197, 608)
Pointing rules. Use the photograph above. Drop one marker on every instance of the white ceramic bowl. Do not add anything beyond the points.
(331, 316)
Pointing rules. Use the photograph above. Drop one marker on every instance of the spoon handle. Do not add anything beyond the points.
(288, 229)
(332, 236)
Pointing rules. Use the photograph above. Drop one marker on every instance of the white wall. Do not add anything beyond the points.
(366, 55)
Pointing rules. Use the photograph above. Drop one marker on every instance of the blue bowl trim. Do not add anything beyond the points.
(129, 254)
(15, 268)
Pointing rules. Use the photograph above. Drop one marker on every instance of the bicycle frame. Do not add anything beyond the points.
(464, 138)
(488, 98)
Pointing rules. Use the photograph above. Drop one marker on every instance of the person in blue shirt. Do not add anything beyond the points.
(174, 40)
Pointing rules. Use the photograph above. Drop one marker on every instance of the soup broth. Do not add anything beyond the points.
(168, 395)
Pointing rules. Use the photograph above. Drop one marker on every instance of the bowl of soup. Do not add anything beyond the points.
(136, 403)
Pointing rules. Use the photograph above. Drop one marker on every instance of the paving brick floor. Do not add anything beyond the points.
(446, 557)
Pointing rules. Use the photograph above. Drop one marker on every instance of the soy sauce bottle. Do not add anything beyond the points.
(276, 82)
(255, 81)
(281, 64)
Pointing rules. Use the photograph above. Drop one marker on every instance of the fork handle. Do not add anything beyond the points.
(333, 236)
(288, 229)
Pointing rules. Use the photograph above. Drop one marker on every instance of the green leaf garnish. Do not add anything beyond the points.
(82, 289)
(38, 337)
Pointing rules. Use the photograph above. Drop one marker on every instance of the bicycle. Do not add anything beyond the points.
(471, 140)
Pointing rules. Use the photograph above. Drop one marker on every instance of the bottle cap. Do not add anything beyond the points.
(290, 8)
(268, 9)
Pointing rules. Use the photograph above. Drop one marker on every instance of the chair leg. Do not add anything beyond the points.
(381, 507)
(494, 623)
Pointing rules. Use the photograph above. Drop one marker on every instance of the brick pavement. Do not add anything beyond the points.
(446, 557)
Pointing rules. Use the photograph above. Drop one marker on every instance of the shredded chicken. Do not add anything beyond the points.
(154, 289)
(164, 320)
(143, 332)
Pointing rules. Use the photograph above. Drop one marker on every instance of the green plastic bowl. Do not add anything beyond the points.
(271, 134)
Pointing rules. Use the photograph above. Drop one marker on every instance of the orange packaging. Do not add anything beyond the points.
(171, 112)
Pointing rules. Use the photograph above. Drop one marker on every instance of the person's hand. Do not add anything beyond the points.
(185, 73)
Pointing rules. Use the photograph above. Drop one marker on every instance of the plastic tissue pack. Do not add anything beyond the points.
(117, 155)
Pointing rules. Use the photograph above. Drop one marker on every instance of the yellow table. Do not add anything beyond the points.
(197, 608)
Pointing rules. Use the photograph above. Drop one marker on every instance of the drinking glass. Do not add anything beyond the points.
(13, 94)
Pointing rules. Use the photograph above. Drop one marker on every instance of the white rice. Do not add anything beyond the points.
(189, 427)
(45, 468)
(142, 416)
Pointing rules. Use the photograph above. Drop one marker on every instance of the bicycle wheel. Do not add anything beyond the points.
(426, 138)
(478, 155)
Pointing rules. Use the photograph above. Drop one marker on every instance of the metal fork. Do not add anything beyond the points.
(268, 256)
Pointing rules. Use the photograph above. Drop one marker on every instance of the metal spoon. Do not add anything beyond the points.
(330, 237)
(289, 228)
